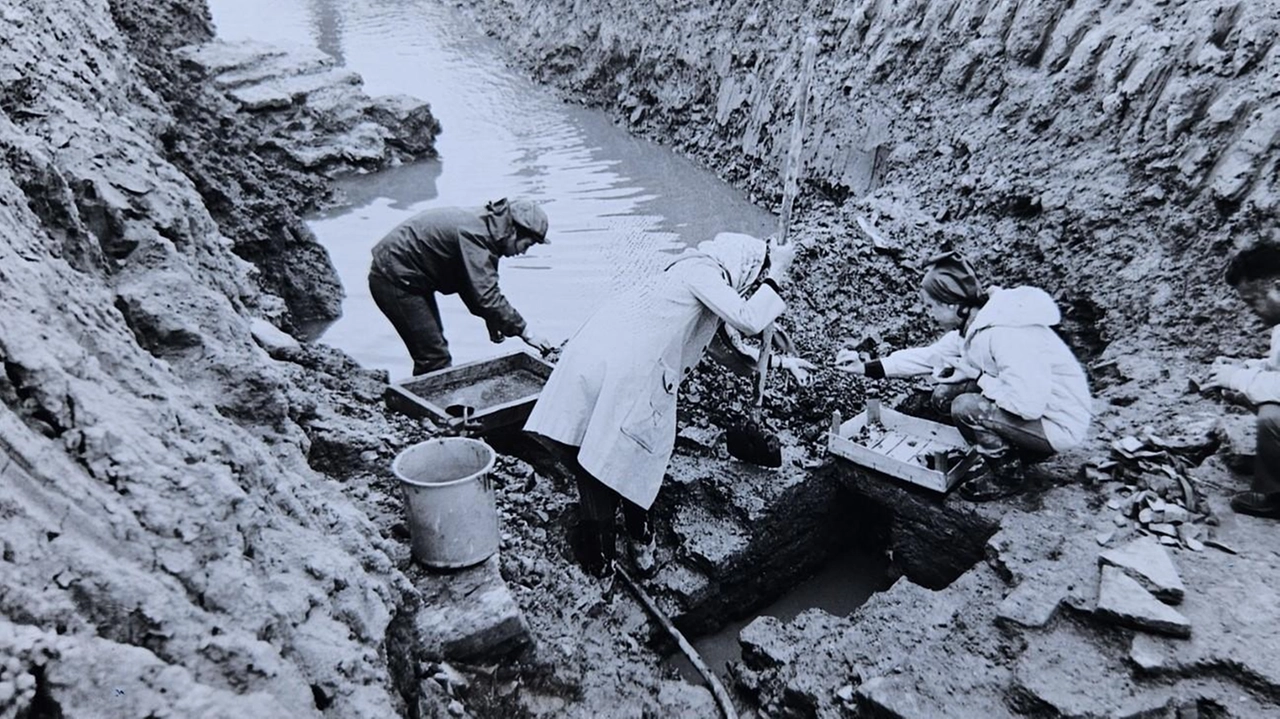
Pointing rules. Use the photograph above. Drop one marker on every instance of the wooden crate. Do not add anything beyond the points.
(501, 390)
(898, 450)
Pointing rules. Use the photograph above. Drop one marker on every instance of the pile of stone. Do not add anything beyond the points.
(1157, 495)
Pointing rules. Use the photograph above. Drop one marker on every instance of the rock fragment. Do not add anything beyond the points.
(1149, 564)
(1124, 601)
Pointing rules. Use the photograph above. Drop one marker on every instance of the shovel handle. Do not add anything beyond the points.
(795, 148)
(790, 188)
(762, 368)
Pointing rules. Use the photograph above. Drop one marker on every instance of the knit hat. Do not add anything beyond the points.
(952, 281)
(530, 218)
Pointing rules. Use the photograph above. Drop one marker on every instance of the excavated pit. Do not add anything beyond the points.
(734, 538)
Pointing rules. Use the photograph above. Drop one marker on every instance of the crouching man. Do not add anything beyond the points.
(1008, 382)
(1255, 274)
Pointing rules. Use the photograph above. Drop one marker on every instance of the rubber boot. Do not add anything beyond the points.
(597, 548)
(995, 477)
(642, 542)
(1258, 504)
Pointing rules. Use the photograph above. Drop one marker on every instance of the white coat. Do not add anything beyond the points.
(1025, 367)
(613, 392)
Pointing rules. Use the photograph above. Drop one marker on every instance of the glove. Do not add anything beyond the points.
(799, 368)
(780, 259)
(537, 341)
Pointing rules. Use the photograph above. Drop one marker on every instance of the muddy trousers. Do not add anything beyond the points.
(416, 318)
(991, 430)
(597, 546)
(598, 505)
(1266, 468)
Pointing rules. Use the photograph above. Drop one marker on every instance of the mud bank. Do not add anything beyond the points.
(169, 550)
(1112, 152)
(179, 545)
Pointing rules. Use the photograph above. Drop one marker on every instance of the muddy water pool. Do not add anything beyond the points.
(842, 585)
(619, 206)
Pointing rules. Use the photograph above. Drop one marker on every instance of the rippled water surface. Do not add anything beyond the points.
(619, 206)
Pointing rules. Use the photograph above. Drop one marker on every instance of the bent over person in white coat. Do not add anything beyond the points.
(1011, 385)
(612, 395)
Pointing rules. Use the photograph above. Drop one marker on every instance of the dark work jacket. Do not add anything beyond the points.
(454, 250)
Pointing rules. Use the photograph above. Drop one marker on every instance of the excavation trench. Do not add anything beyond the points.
(738, 542)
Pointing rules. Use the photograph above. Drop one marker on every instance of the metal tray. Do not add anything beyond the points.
(500, 391)
(897, 450)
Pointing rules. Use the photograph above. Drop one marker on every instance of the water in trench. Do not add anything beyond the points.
(842, 585)
(619, 205)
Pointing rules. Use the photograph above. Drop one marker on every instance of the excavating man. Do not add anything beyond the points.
(1255, 274)
(453, 250)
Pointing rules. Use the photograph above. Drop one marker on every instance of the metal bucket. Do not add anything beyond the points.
(448, 497)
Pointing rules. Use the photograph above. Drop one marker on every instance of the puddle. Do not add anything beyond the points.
(841, 586)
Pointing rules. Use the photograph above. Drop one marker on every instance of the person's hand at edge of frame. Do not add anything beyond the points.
(852, 361)
(537, 341)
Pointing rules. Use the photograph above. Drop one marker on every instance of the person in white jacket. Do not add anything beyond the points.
(610, 402)
(1255, 274)
(1011, 385)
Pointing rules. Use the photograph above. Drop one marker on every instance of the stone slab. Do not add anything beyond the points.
(1148, 563)
(271, 338)
(283, 92)
(294, 62)
(1077, 673)
(1235, 609)
(1032, 604)
(218, 57)
(1123, 600)
(765, 644)
(902, 697)
(468, 614)
(714, 543)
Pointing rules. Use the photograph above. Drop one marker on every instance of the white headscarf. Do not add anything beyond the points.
(741, 256)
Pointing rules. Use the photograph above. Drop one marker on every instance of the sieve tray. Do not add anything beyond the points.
(898, 447)
(501, 390)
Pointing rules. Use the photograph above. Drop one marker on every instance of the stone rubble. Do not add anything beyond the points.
(312, 110)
